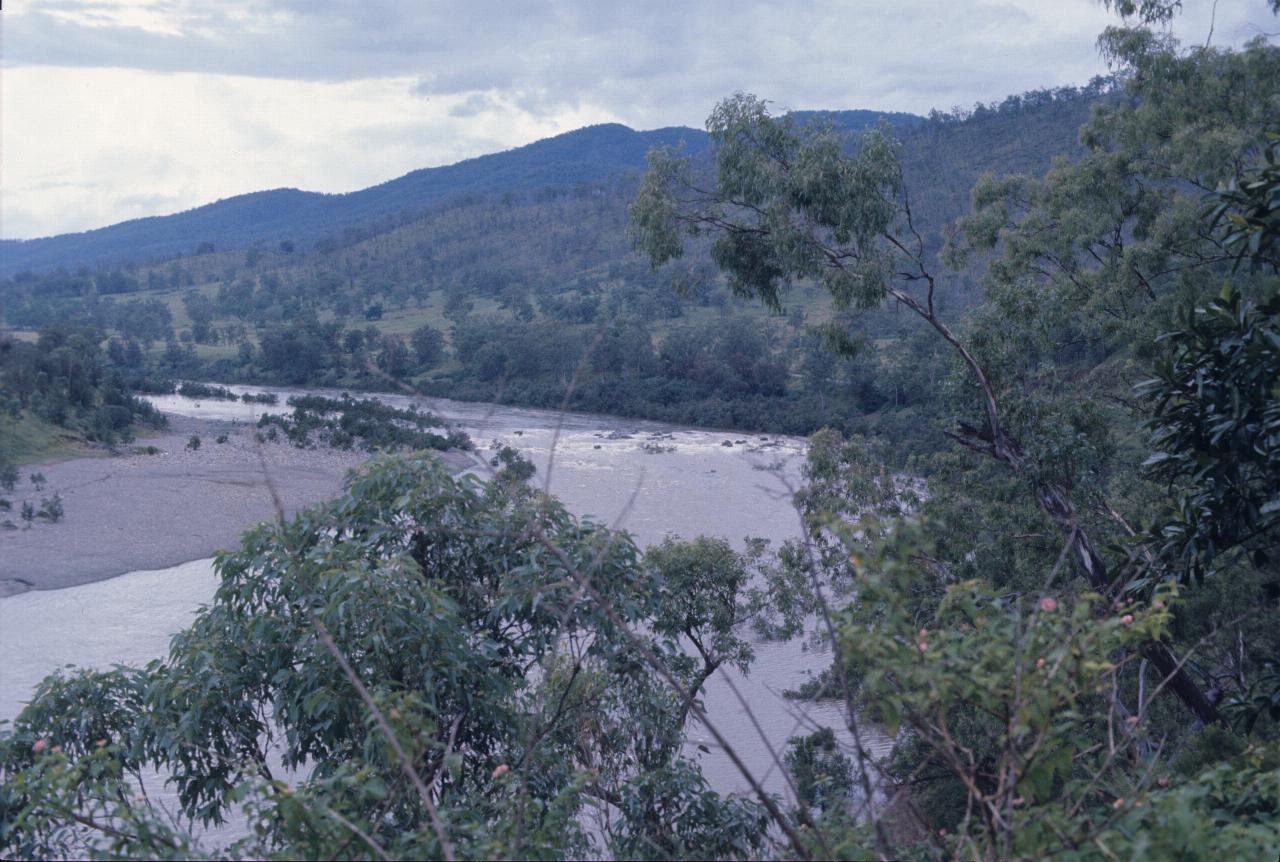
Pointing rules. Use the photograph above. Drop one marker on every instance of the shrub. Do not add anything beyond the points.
(51, 509)
(8, 475)
(204, 390)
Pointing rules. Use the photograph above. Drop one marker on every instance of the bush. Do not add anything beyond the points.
(204, 390)
(51, 510)
(8, 475)
(342, 422)
(468, 599)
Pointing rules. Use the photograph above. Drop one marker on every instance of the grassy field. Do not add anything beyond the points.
(173, 299)
(28, 440)
(215, 351)
(405, 321)
(394, 321)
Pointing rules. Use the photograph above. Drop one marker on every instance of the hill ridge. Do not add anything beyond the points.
(588, 154)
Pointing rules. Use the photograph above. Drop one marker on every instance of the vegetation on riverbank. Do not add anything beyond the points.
(28, 439)
(192, 389)
(60, 391)
(346, 422)
(1072, 634)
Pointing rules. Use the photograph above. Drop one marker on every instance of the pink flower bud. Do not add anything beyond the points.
(1126, 619)
(1118, 804)
(1040, 663)
(40, 745)
(1048, 604)
(1158, 605)
(924, 647)
(501, 770)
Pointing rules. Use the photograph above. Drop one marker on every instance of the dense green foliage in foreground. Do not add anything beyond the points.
(1086, 596)
(400, 624)
(1069, 630)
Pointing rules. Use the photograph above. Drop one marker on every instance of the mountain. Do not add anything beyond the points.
(582, 156)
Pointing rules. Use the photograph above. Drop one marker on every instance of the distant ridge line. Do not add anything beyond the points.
(590, 154)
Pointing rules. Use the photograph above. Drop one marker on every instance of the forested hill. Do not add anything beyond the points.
(585, 155)
(506, 290)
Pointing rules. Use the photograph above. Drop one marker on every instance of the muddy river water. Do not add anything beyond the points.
(648, 478)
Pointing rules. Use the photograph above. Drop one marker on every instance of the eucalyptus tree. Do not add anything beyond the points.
(1082, 270)
(442, 668)
(788, 203)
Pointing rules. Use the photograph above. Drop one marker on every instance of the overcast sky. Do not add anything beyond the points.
(115, 109)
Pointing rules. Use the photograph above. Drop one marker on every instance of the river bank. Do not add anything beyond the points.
(150, 511)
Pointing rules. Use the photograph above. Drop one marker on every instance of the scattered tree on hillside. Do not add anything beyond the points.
(428, 346)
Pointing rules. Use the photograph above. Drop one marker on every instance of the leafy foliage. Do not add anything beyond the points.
(823, 774)
(458, 669)
(1216, 430)
(1082, 268)
(64, 379)
(384, 644)
(1251, 209)
(345, 422)
(192, 389)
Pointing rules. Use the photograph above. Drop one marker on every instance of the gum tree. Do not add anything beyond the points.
(423, 668)
(784, 203)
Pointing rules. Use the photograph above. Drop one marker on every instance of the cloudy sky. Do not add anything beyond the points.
(115, 109)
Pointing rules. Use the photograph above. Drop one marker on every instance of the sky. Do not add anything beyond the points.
(117, 109)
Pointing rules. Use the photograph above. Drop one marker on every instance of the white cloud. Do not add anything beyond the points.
(98, 146)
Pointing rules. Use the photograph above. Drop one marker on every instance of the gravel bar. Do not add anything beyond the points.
(139, 511)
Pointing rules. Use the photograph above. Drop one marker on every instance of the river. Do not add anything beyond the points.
(648, 478)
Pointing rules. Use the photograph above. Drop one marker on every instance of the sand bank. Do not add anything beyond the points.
(143, 511)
